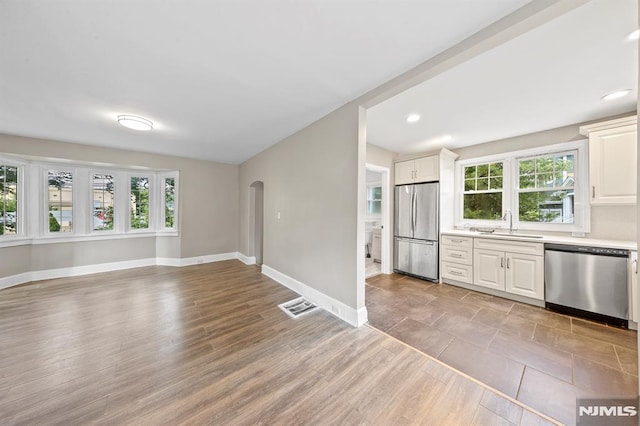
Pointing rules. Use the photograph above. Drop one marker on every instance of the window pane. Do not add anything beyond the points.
(374, 207)
(527, 167)
(470, 185)
(60, 211)
(8, 200)
(483, 206)
(103, 188)
(544, 164)
(483, 184)
(495, 169)
(547, 206)
(545, 180)
(139, 203)
(495, 183)
(169, 202)
(483, 170)
(470, 172)
(527, 181)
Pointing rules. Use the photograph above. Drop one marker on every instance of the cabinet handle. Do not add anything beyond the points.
(508, 263)
(456, 241)
(593, 192)
(502, 262)
(635, 266)
(456, 273)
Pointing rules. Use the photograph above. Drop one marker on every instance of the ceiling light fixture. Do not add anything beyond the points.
(634, 35)
(615, 95)
(135, 123)
(413, 118)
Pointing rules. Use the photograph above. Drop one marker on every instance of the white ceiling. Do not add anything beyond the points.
(222, 80)
(550, 77)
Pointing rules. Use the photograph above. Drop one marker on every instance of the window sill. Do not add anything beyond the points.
(55, 239)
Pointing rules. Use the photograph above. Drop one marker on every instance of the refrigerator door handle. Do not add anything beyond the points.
(414, 213)
(413, 218)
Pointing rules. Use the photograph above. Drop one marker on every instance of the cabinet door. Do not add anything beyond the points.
(488, 268)
(525, 275)
(427, 169)
(612, 165)
(404, 172)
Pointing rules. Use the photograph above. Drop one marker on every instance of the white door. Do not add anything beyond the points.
(525, 275)
(488, 268)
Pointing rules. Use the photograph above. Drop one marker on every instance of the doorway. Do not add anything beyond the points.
(256, 221)
(377, 225)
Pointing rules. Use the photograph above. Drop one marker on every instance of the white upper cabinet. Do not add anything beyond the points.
(612, 160)
(424, 169)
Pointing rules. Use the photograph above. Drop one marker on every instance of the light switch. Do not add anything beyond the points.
(278, 215)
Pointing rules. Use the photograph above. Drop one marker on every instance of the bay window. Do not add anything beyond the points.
(53, 201)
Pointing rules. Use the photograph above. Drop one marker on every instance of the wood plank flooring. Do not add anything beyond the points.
(207, 344)
(523, 351)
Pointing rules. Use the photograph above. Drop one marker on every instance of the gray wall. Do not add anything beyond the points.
(607, 222)
(208, 210)
(311, 178)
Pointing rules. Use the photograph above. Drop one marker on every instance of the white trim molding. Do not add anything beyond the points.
(72, 271)
(355, 317)
(247, 260)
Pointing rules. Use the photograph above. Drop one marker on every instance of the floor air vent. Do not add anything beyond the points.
(297, 307)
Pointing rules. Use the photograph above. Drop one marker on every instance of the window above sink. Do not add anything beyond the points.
(545, 187)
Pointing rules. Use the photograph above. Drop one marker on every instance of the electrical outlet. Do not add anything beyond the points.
(278, 215)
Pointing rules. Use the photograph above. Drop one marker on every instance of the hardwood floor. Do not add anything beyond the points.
(525, 352)
(208, 344)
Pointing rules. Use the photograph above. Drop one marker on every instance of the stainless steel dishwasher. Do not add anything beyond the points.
(589, 282)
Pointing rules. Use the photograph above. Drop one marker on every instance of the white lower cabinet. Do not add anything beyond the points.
(520, 270)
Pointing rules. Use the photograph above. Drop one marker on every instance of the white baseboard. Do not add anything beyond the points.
(17, 279)
(247, 260)
(48, 274)
(188, 261)
(346, 313)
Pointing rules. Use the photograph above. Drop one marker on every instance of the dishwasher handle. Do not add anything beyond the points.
(597, 251)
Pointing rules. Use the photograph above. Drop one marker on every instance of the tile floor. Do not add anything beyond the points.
(371, 268)
(543, 359)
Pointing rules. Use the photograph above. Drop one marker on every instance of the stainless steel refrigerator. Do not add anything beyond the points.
(416, 230)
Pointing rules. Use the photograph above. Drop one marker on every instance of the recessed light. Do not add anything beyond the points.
(135, 123)
(615, 95)
(634, 35)
(413, 118)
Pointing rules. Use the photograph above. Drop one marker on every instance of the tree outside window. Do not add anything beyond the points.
(8, 200)
(139, 198)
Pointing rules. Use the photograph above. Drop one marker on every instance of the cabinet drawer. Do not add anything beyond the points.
(457, 241)
(457, 254)
(511, 246)
(457, 272)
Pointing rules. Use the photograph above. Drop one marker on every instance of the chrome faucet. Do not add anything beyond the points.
(508, 213)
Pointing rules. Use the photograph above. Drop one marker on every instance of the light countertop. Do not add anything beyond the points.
(628, 245)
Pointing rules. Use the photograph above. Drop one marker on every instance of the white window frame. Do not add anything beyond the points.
(152, 209)
(22, 220)
(117, 221)
(33, 214)
(582, 211)
(44, 211)
(162, 201)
